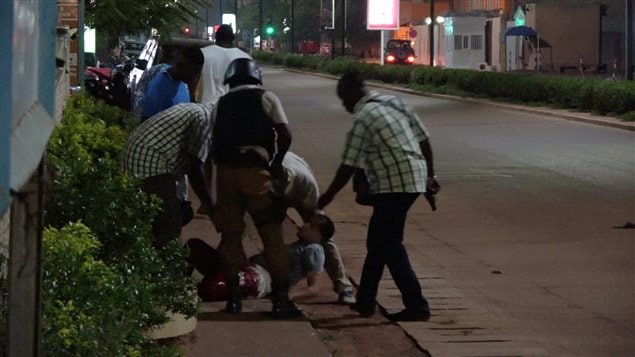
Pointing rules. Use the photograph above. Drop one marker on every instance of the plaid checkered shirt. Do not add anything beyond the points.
(384, 141)
(167, 141)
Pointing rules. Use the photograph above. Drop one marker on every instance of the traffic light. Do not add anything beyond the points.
(186, 30)
(269, 30)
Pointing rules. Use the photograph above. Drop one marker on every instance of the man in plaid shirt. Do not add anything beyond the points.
(389, 142)
(163, 148)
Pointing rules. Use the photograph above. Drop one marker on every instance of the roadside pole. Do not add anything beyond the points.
(628, 45)
(381, 47)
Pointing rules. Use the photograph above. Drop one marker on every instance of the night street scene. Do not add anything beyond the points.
(422, 178)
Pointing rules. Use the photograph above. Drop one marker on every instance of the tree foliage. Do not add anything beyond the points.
(306, 20)
(113, 18)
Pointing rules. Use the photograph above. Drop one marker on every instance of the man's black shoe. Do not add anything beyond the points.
(407, 315)
(363, 311)
(285, 309)
(233, 307)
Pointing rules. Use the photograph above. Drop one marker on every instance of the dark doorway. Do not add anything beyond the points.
(488, 42)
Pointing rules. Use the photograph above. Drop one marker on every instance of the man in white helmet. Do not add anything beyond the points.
(249, 140)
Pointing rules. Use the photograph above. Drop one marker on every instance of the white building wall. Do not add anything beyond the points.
(422, 45)
(465, 42)
(496, 43)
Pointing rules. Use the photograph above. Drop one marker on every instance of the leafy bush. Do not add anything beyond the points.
(89, 310)
(338, 66)
(393, 74)
(605, 97)
(630, 116)
(88, 186)
(99, 110)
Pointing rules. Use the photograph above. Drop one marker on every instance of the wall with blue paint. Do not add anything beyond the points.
(27, 89)
(6, 32)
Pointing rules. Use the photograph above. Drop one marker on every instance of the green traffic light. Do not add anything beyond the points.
(269, 30)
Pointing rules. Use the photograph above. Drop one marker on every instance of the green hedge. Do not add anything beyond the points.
(111, 263)
(583, 94)
(89, 307)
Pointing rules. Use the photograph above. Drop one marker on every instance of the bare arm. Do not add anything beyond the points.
(343, 174)
(283, 142)
(426, 150)
(196, 177)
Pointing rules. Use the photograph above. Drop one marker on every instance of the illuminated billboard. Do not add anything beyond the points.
(383, 15)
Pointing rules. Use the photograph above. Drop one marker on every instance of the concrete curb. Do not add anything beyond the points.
(551, 112)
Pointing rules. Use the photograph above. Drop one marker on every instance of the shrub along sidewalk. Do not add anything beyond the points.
(606, 97)
(104, 284)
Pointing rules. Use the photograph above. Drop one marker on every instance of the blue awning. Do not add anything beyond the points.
(521, 31)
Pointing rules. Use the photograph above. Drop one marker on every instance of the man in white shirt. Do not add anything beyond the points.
(217, 60)
(211, 85)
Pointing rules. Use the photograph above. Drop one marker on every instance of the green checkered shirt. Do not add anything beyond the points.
(166, 142)
(384, 141)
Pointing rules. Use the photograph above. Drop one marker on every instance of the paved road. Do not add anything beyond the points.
(522, 257)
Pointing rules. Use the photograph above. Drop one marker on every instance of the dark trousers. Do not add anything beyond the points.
(385, 247)
(166, 225)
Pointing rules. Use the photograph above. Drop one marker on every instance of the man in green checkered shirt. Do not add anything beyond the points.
(162, 149)
(389, 142)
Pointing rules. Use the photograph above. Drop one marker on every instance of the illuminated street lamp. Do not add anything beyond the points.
(428, 21)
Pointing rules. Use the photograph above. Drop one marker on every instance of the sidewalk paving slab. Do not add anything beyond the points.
(252, 333)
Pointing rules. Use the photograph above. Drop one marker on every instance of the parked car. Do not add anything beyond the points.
(399, 52)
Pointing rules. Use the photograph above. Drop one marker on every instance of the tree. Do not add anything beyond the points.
(112, 18)
(306, 20)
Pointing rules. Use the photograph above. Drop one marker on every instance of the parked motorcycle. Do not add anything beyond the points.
(110, 83)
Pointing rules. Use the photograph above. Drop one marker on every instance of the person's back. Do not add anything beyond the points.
(217, 60)
(140, 89)
(160, 144)
(163, 92)
(302, 190)
(392, 136)
(248, 164)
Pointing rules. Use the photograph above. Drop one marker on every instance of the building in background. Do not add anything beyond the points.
(571, 34)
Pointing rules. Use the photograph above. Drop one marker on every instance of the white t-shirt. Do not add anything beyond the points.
(217, 60)
(302, 190)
